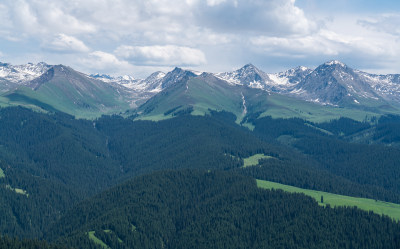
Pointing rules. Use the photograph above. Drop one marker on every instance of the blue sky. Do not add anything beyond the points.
(139, 37)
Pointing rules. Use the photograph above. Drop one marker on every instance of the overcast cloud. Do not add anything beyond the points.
(139, 37)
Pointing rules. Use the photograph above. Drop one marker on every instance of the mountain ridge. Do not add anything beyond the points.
(332, 83)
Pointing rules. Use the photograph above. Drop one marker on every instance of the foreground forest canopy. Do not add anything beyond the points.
(55, 169)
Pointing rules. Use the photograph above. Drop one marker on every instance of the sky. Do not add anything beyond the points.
(136, 37)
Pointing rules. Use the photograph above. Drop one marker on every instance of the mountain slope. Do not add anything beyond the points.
(207, 209)
(64, 89)
(330, 91)
(332, 83)
(18, 74)
(200, 94)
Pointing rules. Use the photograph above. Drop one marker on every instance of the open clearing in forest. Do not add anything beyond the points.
(253, 160)
(379, 207)
(96, 240)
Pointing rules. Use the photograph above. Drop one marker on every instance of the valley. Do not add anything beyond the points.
(171, 161)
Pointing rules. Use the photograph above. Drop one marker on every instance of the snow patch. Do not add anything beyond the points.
(335, 62)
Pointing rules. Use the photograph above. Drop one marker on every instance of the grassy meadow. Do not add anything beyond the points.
(379, 207)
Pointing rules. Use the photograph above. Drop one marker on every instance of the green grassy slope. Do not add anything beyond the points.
(200, 93)
(253, 160)
(205, 92)
(66, 90)
(386, 208)
(96, 240)
(280, 106)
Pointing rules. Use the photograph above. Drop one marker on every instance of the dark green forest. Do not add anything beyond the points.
(13, 243)
(62, 165)
(200, 209)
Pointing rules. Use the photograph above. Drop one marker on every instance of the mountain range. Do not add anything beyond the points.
(296, 91)
(214, 171)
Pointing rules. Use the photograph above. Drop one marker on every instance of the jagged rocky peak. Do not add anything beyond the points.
(249, 66)
(335, 62)
(21, 73)
(175, 76)
(249, 69)
(248, 75)
(296, 71)
(156, 75)
(54, 71)
(333, 65)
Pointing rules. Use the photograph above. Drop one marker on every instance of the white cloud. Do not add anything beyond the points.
(215, 2)
(43, 17)
(344, 38)
(24, 18)
(170, 19)
(162, 55)
(67, 44)
(4, 17)
(268, 17)
(324, 42)
(206, 34)
(388, 23)
(102, 60)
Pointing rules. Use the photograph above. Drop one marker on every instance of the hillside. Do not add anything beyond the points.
(63, 89)
(51, 162)
(197, 209)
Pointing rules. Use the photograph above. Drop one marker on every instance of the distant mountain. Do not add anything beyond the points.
(198, 94)
(251, 76)
(11, 76)
(330, 91)
(332, 83)
(22, 73)
(64, 89)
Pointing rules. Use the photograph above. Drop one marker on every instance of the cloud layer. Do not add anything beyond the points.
(212, 35)
(162, 55)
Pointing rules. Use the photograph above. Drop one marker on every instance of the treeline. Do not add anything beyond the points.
(330, 163)
(307, 176)
(373, 165)
(214, 209)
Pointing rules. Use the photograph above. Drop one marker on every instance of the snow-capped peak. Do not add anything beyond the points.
(302, 68)
(22, 73)
(335, 62)
(127, 77)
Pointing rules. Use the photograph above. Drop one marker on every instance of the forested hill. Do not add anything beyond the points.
(214, 209)
(13, 243)
(51, 162)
